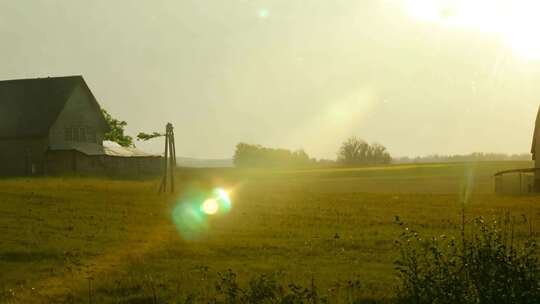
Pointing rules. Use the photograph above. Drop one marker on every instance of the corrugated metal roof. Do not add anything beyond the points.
(112, 148)
(126, 152)
(109, 148)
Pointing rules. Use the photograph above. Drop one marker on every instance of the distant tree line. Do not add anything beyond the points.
(477, 156)
(356, 151)
(257, 156)
(353, 152)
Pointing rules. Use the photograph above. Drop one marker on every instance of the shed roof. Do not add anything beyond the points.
(127, 152)
(108, 149)
(535, 136)
(29, 107)
(113, 149)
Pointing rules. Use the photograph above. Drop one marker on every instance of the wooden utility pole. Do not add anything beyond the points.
(169, 160)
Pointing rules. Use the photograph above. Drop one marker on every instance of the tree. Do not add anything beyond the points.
(352, 151)
(355, 151)
(257, 156)
(116, 132)
(379, 153)
(246, 155)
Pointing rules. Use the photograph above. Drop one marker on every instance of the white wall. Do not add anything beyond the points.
(78, 112)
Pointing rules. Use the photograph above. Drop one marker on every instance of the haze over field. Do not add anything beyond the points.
(420, 77)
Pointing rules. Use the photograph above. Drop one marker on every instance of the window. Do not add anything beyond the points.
(91, 135)
(80, 134)
(76, 134)
(68, 134)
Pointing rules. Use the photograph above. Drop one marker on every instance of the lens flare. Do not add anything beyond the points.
(263, 13)
(223, 199)
(210, 206)
(190, 222)
(194, 209)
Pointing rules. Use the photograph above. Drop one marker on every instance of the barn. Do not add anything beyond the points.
(522, 181)
(55, 126)
(535, 150)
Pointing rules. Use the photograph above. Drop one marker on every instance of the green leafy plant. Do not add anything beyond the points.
(117, 129)
(486, 266)
(147, 136)
(265, 288)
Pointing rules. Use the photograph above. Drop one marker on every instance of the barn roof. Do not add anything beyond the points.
(535, 135)
(29, 107)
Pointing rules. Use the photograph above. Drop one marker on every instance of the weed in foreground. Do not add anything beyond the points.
(486, 266)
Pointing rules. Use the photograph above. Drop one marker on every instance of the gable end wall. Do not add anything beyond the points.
(78, 112)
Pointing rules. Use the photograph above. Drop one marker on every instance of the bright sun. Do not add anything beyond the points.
(515, 21)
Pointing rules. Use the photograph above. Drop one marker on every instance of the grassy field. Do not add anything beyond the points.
(78, 239)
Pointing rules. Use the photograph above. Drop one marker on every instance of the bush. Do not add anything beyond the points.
(262, 289)
(487, 266)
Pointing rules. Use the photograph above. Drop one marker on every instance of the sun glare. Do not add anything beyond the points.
(514, 21)
(210, 206)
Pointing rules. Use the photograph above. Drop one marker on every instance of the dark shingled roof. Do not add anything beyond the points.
(535, 135)
(29, 107)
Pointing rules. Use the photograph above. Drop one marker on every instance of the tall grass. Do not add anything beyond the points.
(488, 265)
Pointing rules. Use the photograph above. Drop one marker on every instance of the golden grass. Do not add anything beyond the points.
(333, 225)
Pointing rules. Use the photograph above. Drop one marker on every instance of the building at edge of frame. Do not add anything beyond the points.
(55, 126)
(535, 150)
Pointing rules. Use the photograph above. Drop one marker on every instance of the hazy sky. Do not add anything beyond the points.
(284, 73)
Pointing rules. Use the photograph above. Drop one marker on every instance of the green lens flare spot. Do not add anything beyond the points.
(193, 210)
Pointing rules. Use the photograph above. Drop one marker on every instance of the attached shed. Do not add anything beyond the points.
(515, 182)
(56, 126)
(111, 160)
